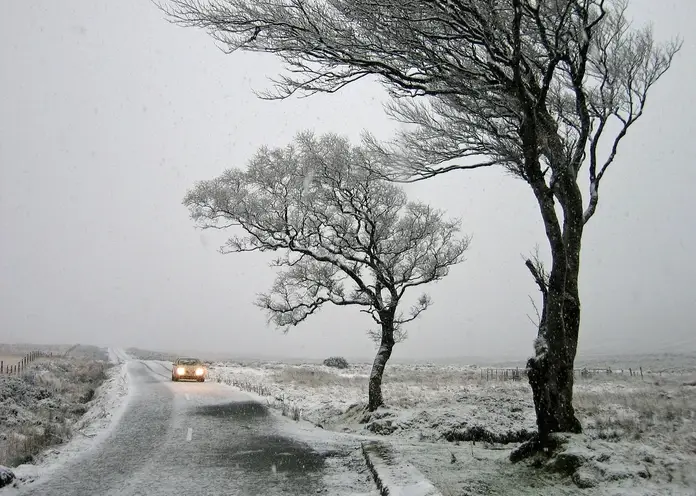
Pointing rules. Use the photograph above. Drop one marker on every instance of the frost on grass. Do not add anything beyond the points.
(459, 429)
(41, 407)
(424, 402)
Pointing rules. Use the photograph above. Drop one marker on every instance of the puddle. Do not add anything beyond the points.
(238, 410)
(271, 454)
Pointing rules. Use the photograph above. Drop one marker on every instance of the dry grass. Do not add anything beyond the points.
(638, 411)
(431, 377)
(38, 407)
(311, 377)
(24, 443)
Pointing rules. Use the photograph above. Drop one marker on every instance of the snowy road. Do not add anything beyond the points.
(202, 439)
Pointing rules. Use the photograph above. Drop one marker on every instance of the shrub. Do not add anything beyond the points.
(336, 362)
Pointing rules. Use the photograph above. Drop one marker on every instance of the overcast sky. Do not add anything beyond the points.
(108, 114)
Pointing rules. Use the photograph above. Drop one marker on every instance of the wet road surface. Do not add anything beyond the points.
(202, 439)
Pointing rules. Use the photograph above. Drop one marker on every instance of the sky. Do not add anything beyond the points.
(108, 114)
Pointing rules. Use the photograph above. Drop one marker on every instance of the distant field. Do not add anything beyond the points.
(10, 359)
(16, 351)
(22, 349)
(684, 362)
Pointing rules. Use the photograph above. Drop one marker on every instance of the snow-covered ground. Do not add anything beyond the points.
(46, 404)
(458, 429)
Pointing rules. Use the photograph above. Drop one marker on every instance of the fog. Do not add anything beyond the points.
(108, 114)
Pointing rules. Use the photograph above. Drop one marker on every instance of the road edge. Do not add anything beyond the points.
(384, 466)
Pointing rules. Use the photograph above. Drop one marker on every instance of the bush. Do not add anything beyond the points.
(336, 362)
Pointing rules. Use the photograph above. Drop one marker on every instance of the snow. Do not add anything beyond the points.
(459, 429)
(106, 407)
(424, 402)
(398, 477)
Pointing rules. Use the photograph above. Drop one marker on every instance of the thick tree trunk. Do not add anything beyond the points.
(550, 371)
(375, 398)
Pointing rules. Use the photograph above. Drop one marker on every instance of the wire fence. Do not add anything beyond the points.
(517, 373)
(24, 362)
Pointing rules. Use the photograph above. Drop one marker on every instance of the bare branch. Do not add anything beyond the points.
(536, 323)
(538, 271)
(375, 335)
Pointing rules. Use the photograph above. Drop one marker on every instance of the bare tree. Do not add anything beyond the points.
(348, 237)
(540, 88)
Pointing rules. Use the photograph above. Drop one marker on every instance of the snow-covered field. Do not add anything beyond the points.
(458, 429)
(57, 408)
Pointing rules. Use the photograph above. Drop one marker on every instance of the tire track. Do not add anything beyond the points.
(153, 370)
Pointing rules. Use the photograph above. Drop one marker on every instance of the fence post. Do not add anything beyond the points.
(641, 373)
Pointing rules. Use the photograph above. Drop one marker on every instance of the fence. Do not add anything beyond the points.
(22, 364)
(516, 374)
(503, 374)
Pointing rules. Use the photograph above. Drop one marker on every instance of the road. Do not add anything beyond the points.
(202, 439)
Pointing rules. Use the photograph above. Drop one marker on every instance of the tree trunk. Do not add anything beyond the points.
(550, 371)
(375, 398)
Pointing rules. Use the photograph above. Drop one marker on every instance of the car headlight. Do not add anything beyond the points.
(181, 371)
(199, 371)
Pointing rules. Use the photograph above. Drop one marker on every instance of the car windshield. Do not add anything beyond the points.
(189, 361)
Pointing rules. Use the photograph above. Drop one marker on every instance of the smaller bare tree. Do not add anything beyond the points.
(347, 236)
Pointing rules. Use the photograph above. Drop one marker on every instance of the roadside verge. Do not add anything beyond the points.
(103, 413)
(395, 477)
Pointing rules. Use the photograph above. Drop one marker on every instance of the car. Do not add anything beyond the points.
(188, 368)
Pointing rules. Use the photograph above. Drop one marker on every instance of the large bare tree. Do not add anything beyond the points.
(543, 89)
(348, 237)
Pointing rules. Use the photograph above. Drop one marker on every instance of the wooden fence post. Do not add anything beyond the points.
(2, 363)
(641, 373)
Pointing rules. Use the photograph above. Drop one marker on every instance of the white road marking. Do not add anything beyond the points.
(189, 433)
(187, 397)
